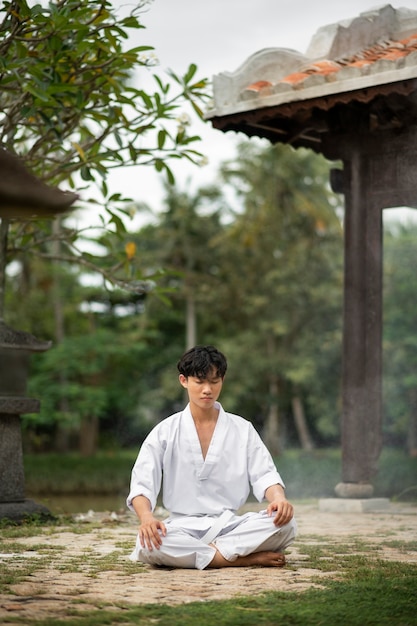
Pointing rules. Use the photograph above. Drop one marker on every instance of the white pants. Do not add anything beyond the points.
(182, 546)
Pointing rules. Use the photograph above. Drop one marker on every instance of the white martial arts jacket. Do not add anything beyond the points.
(192, 486)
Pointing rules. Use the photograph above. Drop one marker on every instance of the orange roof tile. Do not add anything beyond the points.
(259, 85)
(384, 51)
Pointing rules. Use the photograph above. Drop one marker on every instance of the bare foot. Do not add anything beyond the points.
(267, 559)
(262, 559)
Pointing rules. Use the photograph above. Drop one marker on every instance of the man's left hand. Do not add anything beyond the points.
(284, 511)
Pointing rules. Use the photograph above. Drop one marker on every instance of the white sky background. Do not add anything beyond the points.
(218, 36)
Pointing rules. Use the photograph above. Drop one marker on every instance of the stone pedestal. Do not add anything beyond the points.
(12, 479)
(354, 505)
(15, 347)
(354, 490)
(21, 511)
(13, 504)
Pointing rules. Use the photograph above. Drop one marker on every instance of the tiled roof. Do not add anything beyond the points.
(377, 48)
(373, 59)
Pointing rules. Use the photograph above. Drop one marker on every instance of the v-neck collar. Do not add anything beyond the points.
(204, 466)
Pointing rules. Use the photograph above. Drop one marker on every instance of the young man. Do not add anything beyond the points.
(206, 460)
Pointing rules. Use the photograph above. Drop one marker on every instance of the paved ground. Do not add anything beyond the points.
(92, 566)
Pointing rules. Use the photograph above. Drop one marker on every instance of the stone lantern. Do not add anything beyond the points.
(15, 349)
(22, 197)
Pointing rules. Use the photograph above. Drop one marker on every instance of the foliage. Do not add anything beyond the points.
(400, 338)
(77, 102)
(236, 266)
(229, 268)
(264, 277)
(71, 110)
(285, 256)
(88, 365)
(68, 102)
(182, 241)
(89, 376)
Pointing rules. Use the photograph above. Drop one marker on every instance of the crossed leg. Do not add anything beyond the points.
(255, 541)
(238, 548)
(264, 559)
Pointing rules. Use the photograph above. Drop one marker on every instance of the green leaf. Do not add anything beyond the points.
(170, 175)
(190, 73)
(86, 173)
(162, 135)
(117, 221)
(37, 93)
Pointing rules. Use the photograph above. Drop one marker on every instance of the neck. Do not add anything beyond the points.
(204, 416)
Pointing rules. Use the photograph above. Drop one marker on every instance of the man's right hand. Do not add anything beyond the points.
(151, 531)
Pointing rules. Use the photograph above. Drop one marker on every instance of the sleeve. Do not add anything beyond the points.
(262, 470)
(147, 471)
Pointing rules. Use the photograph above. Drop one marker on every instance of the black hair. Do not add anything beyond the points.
(200, 361)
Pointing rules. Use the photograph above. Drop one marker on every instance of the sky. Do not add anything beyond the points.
(218, 36)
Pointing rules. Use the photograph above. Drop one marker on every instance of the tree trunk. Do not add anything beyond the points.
(412, 425)
(271, 434)
(271, 430)
(191, 322)
(88, 435)
(301, 424)
(61, 433)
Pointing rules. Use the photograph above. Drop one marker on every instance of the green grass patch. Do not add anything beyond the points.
(328, 557)
(307, 475)
(106, 473)
(404, 546)
(315, 474)
(357, 588)
(16, 572)
(371, 594)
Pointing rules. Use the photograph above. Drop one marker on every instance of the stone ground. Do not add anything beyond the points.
(71, 578)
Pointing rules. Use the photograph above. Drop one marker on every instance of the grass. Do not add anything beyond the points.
(306, 474)
(106, 473)
(358, 588)
(372, 593)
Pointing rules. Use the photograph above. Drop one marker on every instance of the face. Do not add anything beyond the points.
(202, 392)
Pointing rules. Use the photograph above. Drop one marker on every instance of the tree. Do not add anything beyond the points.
(185, 236)
(400, 339)
(91, 373)
(286, 294)
(181, 243)
(267, 285)
(71, 110)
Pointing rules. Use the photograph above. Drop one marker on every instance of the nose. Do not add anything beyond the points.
(207, 388)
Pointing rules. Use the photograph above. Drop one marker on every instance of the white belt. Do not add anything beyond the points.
(217, 526)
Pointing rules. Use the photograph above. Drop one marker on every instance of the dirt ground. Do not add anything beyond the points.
(66, 580)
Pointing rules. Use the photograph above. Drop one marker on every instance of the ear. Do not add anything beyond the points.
(183, 380)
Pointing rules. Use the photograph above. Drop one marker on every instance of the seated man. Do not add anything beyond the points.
(206, 460)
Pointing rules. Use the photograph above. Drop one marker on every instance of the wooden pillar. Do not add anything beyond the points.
(362, 337)
(379, 172)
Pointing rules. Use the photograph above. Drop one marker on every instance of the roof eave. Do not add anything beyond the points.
(329, 88)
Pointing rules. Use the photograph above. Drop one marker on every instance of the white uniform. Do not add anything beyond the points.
(196, 491)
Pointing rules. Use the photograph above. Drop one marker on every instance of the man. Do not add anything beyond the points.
(206, 460)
